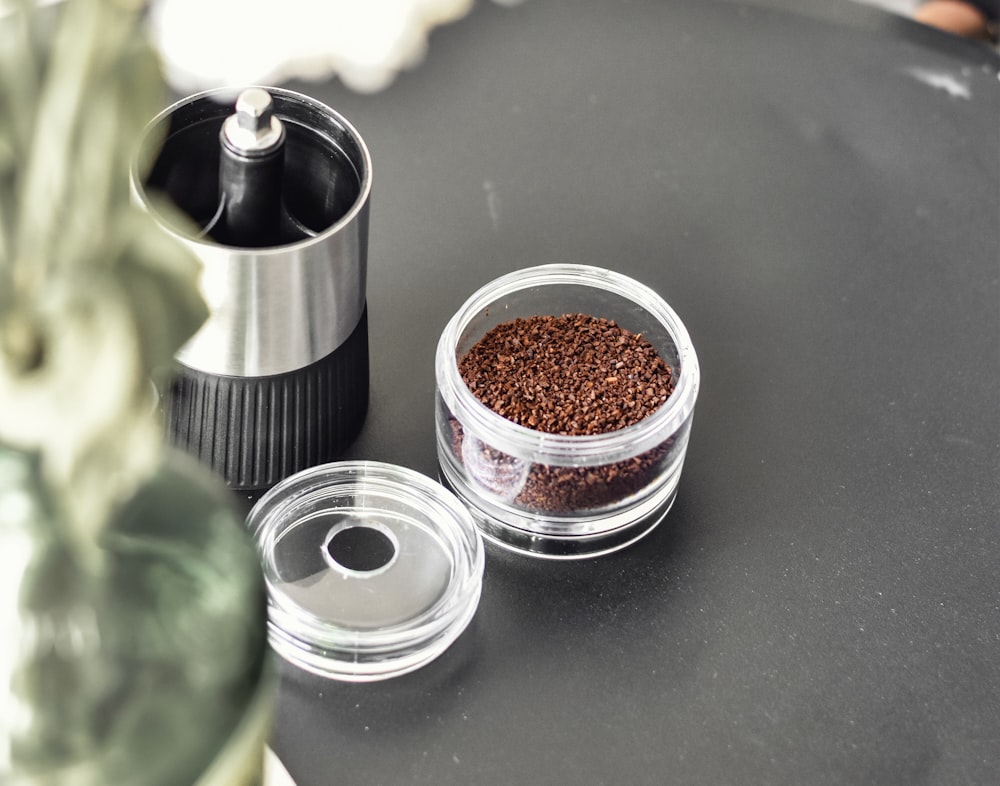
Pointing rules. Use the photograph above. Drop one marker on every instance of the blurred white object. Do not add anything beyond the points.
(216, 43)
(275, 773)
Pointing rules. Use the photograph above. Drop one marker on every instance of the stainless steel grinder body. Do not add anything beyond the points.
(276, 379)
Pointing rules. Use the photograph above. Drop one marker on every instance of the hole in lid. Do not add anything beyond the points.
(361, 548)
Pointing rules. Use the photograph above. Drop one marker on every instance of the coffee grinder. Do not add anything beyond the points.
(276, 188)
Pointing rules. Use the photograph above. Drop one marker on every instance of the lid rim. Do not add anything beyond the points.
(353, 653)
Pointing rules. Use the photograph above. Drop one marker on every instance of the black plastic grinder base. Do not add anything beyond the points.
(255, 431)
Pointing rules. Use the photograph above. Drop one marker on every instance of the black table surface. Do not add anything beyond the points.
(817, 194)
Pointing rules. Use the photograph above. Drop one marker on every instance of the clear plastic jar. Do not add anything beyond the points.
(372, 570)
(550, 495)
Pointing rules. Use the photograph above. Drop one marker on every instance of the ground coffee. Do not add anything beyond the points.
(572, 375)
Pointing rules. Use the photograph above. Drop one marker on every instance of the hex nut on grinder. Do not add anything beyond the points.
(276, 187)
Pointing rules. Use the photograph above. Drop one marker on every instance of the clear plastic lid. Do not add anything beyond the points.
(372, 570)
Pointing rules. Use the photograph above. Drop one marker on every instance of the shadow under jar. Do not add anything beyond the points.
(563, 496)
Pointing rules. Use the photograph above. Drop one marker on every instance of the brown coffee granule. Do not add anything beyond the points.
(571, 375)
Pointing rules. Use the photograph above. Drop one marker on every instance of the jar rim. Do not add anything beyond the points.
(558, 449)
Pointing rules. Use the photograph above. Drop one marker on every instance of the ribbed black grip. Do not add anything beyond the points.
(254, 431)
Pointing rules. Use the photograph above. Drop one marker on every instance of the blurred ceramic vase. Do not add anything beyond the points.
(138, 658)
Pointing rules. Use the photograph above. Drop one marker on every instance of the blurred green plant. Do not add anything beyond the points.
(132, 616)
(94, 297)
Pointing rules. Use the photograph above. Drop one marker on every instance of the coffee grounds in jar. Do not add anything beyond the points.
(571, 375)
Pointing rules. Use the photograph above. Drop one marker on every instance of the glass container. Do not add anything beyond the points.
(140, 657)
(552, 495)
(372, 570)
